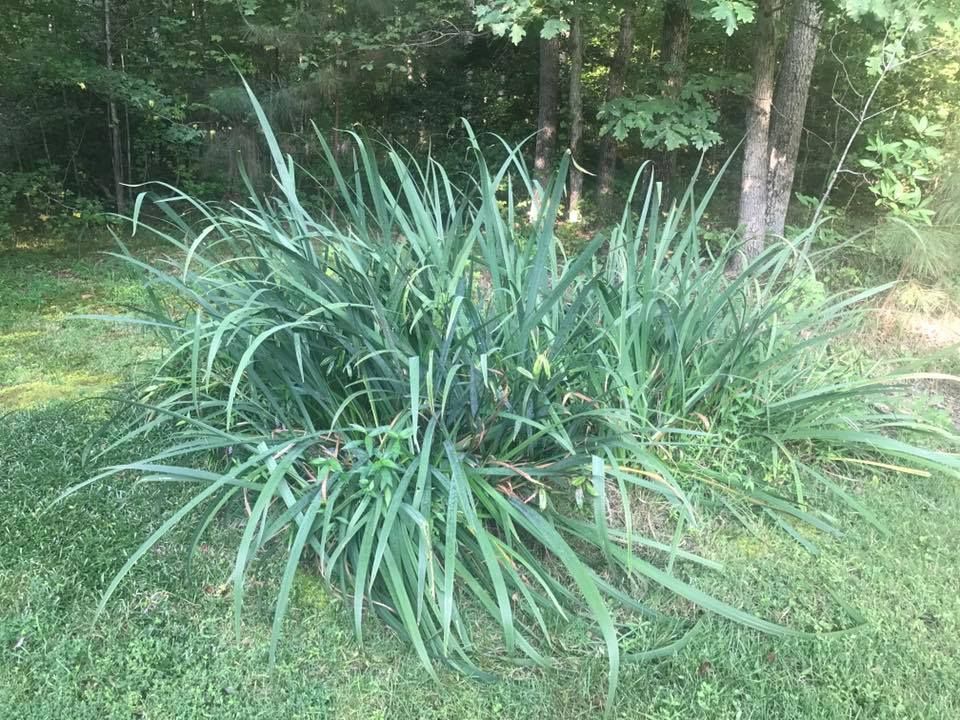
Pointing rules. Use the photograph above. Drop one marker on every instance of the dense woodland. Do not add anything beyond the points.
(830, 107)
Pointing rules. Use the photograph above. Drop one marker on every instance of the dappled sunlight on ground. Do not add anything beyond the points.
(917, 320)
(69, 386)
(46, 353)
(930, 332)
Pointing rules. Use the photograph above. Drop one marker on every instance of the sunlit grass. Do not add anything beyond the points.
(46, 355)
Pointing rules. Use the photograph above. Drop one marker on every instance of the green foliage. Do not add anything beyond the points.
(730, 13)
(512, 16)
(946, 199)
(732, 364)
(899, 169)
(688, 120)
(405, 426)
(923, 252)
(156, 657)
(38, 201)
(183, 119)
(429, 439)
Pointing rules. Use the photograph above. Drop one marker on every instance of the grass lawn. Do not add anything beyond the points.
(165, 647)
(45, 355)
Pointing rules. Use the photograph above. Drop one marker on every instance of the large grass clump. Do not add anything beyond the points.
(445, 409)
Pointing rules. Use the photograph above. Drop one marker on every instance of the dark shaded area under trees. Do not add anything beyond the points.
(102, 94)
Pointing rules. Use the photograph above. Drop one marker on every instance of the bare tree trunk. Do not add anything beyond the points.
(789, 107)
(576, 117)
(68, 126)
(113, 122)
(126, 129)
(753, 181)
(546, 120)
(615, 87)
(675, 39)
(46, 146)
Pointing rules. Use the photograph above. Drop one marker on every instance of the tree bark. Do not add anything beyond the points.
(113, 121)
(675, 39)
(753, 180)
(127, 138)
(615, 86)
(546, 121)
(789, 107)
(576, 117)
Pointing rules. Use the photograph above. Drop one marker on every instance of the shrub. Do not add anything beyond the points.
(38, 202)
(443, 409)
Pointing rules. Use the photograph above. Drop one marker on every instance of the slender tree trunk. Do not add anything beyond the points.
(673, 62)
(128, 165)
(68, 126)
(753, 181)
(789, 106)
(46, 146)
(336, 122)
(128, 168)
(576, 117)
(113, 122)
(799, 181)
(546, 121)
(862, 118)
(615, 87)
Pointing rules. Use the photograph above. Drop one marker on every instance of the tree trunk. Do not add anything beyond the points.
(673, 63)
(127, 140)
(789, 106)
(576, 117)
(74, 149)
(546, 121)
(615, 87)
(753, 181)
(113, 122)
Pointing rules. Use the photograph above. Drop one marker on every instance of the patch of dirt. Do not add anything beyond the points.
(918, 319)
(651, 514)
(929, 332)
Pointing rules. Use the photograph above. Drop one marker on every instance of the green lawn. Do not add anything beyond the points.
(165, 647)
(44, 354)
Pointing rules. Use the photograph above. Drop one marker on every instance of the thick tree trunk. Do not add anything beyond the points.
(576, 117)
(675, 39)
(753, 181)
(113, 121)
(615, 86)
(546, 121)
(789, 106)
